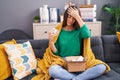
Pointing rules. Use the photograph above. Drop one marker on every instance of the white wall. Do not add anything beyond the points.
(18, 14)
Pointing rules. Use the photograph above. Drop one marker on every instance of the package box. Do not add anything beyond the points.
(75, 66)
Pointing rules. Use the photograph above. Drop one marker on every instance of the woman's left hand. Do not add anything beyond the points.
(74, 13)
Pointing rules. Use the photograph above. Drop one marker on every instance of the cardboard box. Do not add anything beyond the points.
(75, 66)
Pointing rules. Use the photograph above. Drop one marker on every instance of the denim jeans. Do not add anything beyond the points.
(58, 72)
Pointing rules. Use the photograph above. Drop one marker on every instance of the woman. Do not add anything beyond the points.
(69, 43)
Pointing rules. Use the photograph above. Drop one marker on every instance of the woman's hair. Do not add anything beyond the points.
(76, 25)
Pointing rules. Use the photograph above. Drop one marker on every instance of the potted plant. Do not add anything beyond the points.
(115, 12)
(36, 19)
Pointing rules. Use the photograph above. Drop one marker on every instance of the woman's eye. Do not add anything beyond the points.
(69, 16)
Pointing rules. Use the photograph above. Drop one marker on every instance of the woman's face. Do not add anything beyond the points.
(70, 20)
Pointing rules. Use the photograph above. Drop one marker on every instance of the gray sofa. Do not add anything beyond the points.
(106, 48)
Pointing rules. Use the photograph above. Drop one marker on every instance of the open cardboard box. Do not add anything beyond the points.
(75, 66)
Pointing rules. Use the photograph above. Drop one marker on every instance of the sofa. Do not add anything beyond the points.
(105, 48)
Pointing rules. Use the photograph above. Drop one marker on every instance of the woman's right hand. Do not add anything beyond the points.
(52, 46)
(52, 33)
(51, 36)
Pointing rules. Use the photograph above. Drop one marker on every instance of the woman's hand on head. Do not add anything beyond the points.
(74, 13)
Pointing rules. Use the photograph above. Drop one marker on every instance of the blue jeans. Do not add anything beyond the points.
(58, 72)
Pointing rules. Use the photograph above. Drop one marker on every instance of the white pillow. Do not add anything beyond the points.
(22, 59)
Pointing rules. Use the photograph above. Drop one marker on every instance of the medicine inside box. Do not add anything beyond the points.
(74, 64)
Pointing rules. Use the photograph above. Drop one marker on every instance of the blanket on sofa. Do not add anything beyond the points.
(50, 59)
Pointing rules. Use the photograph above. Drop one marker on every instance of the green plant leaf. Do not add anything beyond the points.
(115, 11)
(36, 18)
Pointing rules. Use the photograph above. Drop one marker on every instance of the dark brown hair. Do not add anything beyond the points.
(76, 25)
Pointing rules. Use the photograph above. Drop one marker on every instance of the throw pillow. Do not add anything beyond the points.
(118, 35)
(22, 59)
(5, 71)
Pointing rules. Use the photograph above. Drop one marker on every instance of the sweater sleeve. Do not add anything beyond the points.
(85, 32)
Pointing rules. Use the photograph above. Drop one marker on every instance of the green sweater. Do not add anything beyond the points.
(68, 42)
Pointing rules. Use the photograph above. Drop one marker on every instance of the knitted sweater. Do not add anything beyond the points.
(69, 42)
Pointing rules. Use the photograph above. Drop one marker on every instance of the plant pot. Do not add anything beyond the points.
(37, 21)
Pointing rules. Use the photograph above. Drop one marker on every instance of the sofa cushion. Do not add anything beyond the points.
(39, 46)
(115, 67)
(22, 59)
(111, 48)
(112, 75)
(96, 45)
(14, 33)
(5, 71)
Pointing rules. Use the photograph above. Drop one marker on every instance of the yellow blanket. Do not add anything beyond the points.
(50, 59)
